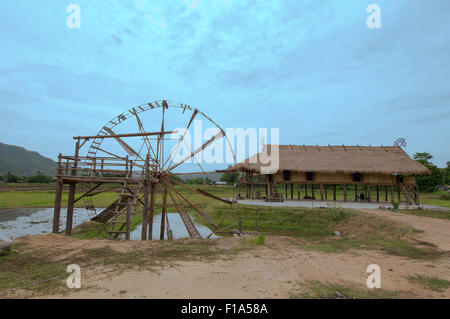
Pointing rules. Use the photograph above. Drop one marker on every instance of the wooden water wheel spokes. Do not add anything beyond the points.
(137, 153)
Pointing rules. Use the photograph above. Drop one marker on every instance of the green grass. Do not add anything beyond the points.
(315, 226)
(441, 214)
(318, 290)
(431, 283)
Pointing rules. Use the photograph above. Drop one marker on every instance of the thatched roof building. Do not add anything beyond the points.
(339, 159)
(351, 167)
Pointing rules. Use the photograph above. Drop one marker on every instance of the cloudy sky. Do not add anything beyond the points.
(311, 68)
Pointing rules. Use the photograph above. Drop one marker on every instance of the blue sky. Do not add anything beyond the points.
(311, 68)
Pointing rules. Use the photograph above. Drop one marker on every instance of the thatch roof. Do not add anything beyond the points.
(339, 159)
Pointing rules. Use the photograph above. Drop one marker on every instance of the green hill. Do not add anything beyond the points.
(17, 160)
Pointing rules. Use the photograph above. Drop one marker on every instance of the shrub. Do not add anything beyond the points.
(395, 204)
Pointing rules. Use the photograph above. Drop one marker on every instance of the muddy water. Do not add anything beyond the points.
(176, 225)
(19, 222)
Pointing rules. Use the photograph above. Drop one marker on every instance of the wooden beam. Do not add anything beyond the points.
(57, 209)
(70, 202)
(163, 214)
(113, 135)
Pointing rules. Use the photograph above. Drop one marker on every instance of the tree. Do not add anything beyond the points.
(230, 177)
(428, 183)
(11, 178)
(39, 178)
(423, 157)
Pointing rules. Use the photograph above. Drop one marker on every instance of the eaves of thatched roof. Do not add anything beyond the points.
(338, 159)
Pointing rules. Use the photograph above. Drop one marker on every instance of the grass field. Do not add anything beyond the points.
(308, 229)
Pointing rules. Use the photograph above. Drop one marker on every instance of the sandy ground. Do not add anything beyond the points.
(277, 270)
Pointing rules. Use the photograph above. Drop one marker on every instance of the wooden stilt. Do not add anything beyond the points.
(146, 203)
(163, 214)
(378, 194)
(298, 192)
(392, 193)
(321, 192)
(130, 209)
(326, 193)
(385, 193)
(345, 193)
(70, 204)
(312, 191)
(334, 192)
(286, 191)
(356, 191)
(398, 194)
(292, 191)
(57, 210)
(306, 190)
(152, 211)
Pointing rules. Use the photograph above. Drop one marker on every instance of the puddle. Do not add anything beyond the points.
(176, 225)
(19, 222)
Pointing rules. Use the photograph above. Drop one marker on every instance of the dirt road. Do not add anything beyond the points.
(280, 269)
(436, 231)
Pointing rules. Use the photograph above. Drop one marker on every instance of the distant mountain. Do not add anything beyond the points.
(17, 160)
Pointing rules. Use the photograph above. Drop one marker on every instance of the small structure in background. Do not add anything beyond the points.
(219, 183)
(378, 173)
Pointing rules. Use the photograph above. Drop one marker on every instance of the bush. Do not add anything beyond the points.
(445, 196)
(11, 178)
(395, 204)
(39, 178)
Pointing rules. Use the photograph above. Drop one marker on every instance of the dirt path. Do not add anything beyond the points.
(277, 271)
(436, 231)
(280, 269)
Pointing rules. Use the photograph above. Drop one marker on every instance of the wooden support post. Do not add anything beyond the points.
(385, 194)
(146, 193)
(345, 193)
(398, 193)
(334, 192)
(292, 191)
(306, 190)
(299, 196)
(285, 191)
(366, 197)
(58, 196)
(392, 193)
(356, 191)
(163, 214)
(326, 193)
(378, 194)
(321, 192)
(312, 191)
(70, 204)
(129, 213)
(152, 210)
(57, 209)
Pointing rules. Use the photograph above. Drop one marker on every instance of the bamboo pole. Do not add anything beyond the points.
(163, 214)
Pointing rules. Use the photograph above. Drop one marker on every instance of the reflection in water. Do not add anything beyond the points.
(19, 222)
(176, 225)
